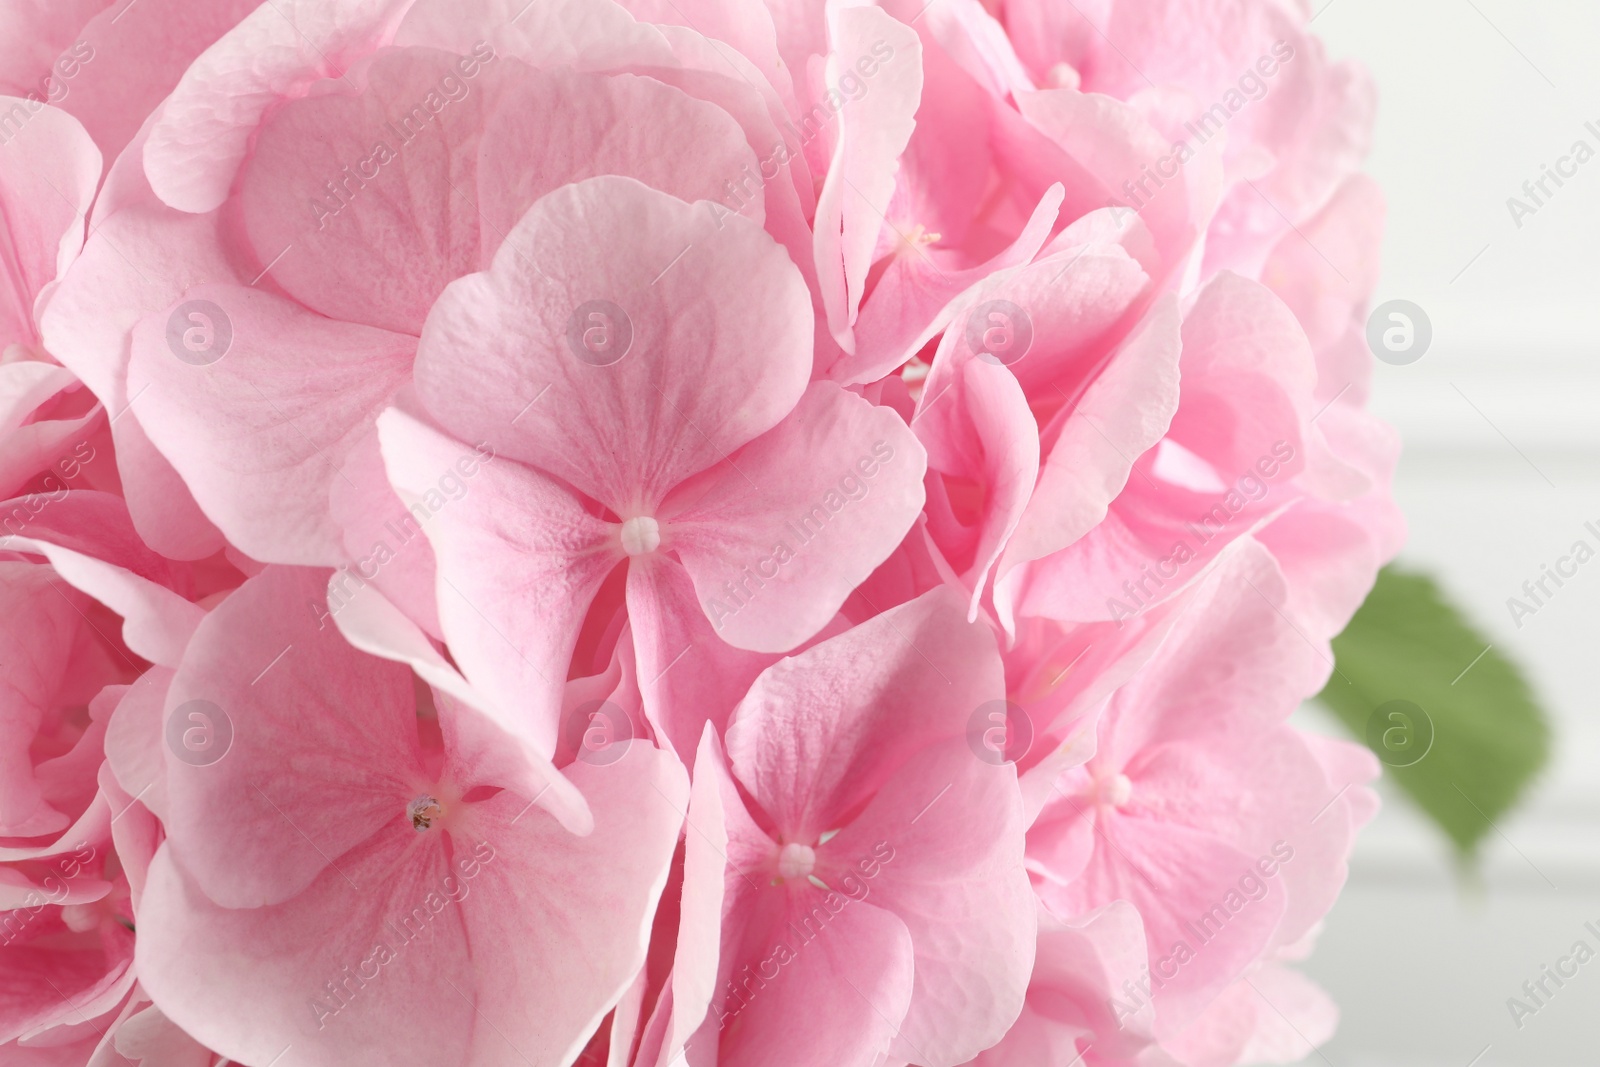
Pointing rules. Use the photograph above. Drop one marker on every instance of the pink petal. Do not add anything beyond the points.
(694, 968)
(322, 750)
(32, 37)
(519, 561)
(838, 999)
(505, 349)
(381, 537)
(259, 433)
(955, 825)
(135, 743)
(497, 941)
(915, 299)
(871, 135)
(820, 732)
(975, 422)
(583, 34)
(87, 539)
(494, 743)
(1208, 678)
(688, 675)
(126, 60)
(48, 175)
(1123, 413)
(1180, 880)
(139, 261)
(1231, 460)
(395, 216)
(203, 130)
(775, 550)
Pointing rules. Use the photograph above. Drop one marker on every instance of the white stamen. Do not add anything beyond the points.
(796, 860)
(641, 534)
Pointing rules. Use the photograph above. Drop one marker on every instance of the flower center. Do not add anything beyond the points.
(796, 861)
(920, 236)
(641, 534)
(1113, 791)
(423, 811)
(1062, 76)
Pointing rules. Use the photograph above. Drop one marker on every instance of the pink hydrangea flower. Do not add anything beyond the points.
(677, 534)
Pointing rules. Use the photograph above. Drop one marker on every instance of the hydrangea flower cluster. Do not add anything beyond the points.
(708, 532)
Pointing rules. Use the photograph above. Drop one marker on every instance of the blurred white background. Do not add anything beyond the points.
(1501, 420)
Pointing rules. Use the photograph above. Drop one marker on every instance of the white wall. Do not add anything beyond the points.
(1421, 963)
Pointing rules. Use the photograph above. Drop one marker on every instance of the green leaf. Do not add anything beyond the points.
(1453, 719)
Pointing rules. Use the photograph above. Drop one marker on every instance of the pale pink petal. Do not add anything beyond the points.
(838, 999)
(623, 340)
(914, 299)
(954, 823)
(583, 34)
(1231, 460)
(1084, 992)
(319, 749)
(364, 198)
(203, 129)
(87, 540)
(624, 125)
(383, 539)
(149, 1036)
(32, 36)
(49, 172)
(1123, 413)
(135, 742)
(477, 936)
(688, 675)
(821, 731)
(128, 57)
(259, 433)
(694, 967)
(871, 135)
(1200, 936)
(982, 442)
(519, 561)
(774, 550)
(499, 744)
(139, 260)
(1295, 1017)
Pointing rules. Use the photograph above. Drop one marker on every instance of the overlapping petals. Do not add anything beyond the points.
(677, 534)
